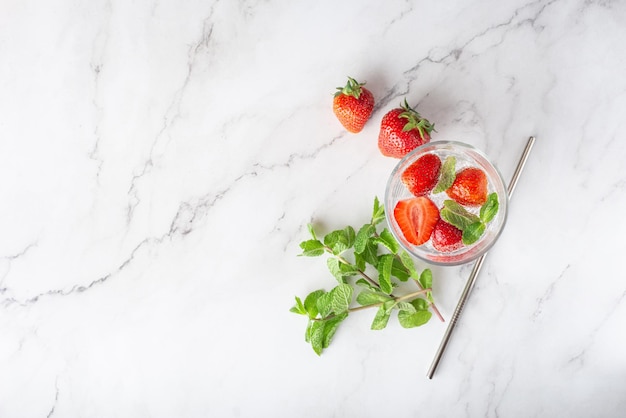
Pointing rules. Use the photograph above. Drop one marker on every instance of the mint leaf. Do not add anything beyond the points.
(389, 305)
(420, 304)
(299, 307)
(324, 305)
(341, 297)
(349, 235)
(399, 271)
(367, 297)
(364, 283)
(378, 214)
(330, 327)
(387, 239)
(370, 255)
(412, 320)
(490, 208)
(406, 306)
(310, 302)
(317, 336)
(473, 232)
(457, 215)
(381, 319)
(307, 333)
(362, 236)
(312, 248)
(347, 270)
(359, 262)
(426, 279)
(340, 270)
(311, 231)
(340, 240)
(448, 174)
(385, 262)
(408, 263)
(333, 267)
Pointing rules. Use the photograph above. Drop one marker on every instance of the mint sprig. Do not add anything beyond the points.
(368, 264)
(473, 226)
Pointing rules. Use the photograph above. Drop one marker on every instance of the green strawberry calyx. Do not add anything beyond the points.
(415, 121)
(352, 88)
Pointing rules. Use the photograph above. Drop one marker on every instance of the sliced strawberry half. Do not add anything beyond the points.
(416, 218)
(446, 237)
(421, 176)
(469, 187)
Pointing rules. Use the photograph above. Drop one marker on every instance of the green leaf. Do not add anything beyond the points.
(426, 279)
(473, 232)
(370, 255)
(333, 267)
(311, 231)
(387, 239)
(490, 208)
(340, 240)
(359, 261)
(310, 302)
(307, 333)
(457, 215)
(364, 283)
(330, 327)
(336, 241)
(381, 319)
(385, 262)
(408, 263)
(341, 297)
(389, 305)
(312, 248)
(362, 237)
(412, 320)
(347, 270)
(378, 214)
(448, 174)
(406, 307)
(349, 235)
(420, 304)
(399, 271)
(367, 297)
(317, 336)
(340, 269)
(299, 307)
(324, 305)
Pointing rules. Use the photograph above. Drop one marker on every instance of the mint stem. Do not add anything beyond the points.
(432, 304)
(376, 305)
(361, 272)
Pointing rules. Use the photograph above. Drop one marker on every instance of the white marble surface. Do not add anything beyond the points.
(160, 161)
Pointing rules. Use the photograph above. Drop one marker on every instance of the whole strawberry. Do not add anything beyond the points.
(353, 105)
(469, 187)
(422, 176)
(446, 237)
(402, 130)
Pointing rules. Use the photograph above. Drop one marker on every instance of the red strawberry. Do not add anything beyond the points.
(469, 187)
(353, 105)
(421, 176)
(402, 130)
(416, 218)
(446, 237)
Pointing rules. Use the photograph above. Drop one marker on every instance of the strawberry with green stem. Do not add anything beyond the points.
(353, 105)
(402, 130)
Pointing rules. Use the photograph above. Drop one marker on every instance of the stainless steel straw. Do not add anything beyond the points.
(479, 263)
